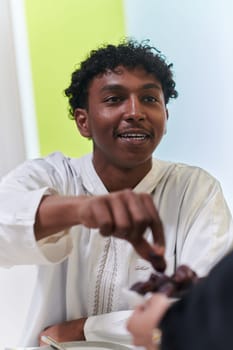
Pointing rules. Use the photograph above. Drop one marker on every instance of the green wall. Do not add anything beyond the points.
(61, 33)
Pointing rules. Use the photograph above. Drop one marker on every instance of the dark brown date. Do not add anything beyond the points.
(173, 286)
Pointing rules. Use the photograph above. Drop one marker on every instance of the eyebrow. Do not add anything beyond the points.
(114, 87)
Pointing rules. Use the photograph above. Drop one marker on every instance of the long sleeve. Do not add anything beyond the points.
(203, 319)
(197, 222)
(205, 228)
(111, 327)
(20, 194)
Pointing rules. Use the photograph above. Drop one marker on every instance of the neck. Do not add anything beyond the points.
(117, 178)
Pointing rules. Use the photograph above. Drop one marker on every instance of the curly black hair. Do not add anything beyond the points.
(130, 54)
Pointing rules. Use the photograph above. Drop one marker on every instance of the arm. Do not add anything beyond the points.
(123, 214)
(65, 331)
(205, 232)
(110, 326)
(203, 319)
(36, 202)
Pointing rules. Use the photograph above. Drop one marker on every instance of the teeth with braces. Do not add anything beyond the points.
(133, 136)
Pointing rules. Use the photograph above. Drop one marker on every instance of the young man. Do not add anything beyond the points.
(54, 209)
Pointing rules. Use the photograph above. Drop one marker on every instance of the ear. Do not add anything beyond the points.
(165, 124)
(82, 122)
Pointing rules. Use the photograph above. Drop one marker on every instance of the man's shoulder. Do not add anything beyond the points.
(52, 164)
(60, 156)
(59, 159)
(180, 169)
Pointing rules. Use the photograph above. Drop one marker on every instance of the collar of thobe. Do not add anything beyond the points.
(94, 186)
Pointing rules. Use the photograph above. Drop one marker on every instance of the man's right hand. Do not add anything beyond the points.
(126, 215)
(123, 214)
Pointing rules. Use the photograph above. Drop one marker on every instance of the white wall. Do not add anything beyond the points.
(12, 148)
(197, 36)
(15, 284)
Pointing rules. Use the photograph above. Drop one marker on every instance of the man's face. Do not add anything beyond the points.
(126, 117)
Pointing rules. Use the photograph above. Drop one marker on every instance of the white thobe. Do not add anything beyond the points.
(81, 273)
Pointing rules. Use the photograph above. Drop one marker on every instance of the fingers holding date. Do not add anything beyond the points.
(173, 286)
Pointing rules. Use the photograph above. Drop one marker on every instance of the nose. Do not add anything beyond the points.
(134, 109)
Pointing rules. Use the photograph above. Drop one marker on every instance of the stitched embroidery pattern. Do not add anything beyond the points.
(99, 277)
(114, 274)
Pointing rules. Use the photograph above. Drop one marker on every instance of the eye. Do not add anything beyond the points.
(113, 99)
(149, 98)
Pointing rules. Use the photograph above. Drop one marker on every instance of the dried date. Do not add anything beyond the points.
(173, 286)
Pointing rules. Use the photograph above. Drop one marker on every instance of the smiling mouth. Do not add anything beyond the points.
(133, 136)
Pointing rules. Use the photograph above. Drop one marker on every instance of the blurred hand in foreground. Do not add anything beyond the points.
(144, 320)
